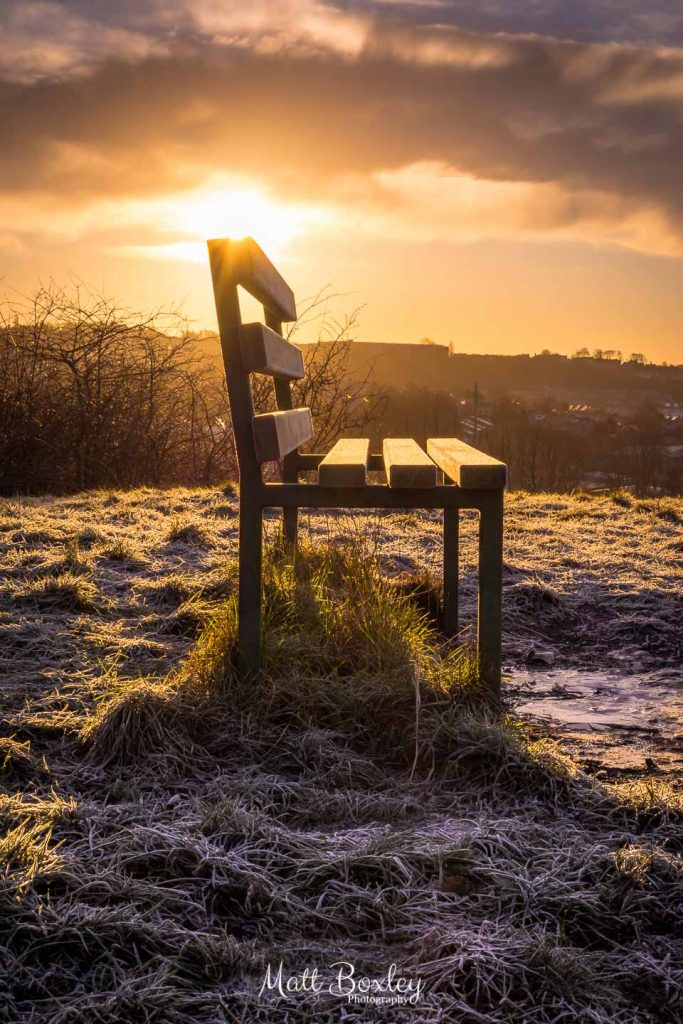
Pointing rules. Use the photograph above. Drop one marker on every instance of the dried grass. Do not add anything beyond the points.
(67, 592)
(190, 829)
(183, 531)
(121, 550)
(16, 758)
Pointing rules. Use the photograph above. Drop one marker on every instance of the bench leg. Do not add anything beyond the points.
(451, 524)
(490, 589)
(249, 591)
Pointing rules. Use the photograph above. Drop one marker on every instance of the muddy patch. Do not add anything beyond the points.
(609, 722)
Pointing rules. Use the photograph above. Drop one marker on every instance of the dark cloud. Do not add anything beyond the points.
(305, 111)
(645, 21)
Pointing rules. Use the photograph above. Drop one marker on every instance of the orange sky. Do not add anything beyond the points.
(485, 174)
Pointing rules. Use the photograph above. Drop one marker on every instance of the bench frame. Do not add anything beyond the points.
(242, 263)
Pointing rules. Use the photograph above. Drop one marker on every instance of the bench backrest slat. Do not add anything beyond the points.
(254, 348)
(279, 433)
(252, 269)
(266, 351)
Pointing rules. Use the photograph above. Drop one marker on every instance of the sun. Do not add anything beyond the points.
(237, 212)
(225, 208)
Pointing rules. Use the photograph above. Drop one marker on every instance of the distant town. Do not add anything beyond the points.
(593, 421)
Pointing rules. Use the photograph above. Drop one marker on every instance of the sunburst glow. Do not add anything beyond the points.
(225, 208)
(239, 212)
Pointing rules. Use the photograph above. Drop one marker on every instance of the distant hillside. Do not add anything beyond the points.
(576, 379)
(433, 367)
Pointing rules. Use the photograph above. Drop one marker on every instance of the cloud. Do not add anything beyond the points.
(47, 40)
(508, 134)
(651, 21)
(431, 201)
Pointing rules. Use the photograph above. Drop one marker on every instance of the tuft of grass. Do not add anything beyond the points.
(89, 536)
(16, 758)
(187, 619)
(622, 498)
(188, 531)
(533, 599)
(663, 508)
(72, 561)
(26, 851)
(66, 592)
(121, 550)
(634, 863)
(343, 649)
(136, 719)
(578, 513)
(37, 537)
(173, 589)
(650, 797)
(422, 590)
(59, 722)
(221, 582)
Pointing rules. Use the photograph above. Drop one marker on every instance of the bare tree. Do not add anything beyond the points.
(343, 401)
(94, 395)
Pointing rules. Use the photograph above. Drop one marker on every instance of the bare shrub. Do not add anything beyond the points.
(343, 400)
(93, 395)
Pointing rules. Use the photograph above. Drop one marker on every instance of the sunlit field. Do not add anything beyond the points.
(169, 831)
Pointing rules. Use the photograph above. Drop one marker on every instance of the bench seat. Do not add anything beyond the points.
(406, 464)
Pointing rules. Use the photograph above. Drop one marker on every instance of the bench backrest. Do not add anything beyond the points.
(257, 348)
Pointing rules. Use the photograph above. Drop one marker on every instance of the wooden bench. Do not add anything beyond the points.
(450, 475)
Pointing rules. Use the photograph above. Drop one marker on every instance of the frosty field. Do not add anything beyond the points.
(167, 835)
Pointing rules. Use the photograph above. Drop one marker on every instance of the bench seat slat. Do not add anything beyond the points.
(266, 351)
(406, 464)
(345, 465)
(466, 466)
(278, 433)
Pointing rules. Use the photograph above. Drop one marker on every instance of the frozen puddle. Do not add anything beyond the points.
(605, 720)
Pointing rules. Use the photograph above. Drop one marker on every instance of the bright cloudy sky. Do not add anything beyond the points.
(505, 174)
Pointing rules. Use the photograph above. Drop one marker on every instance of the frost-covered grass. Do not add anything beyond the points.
(168, 831)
